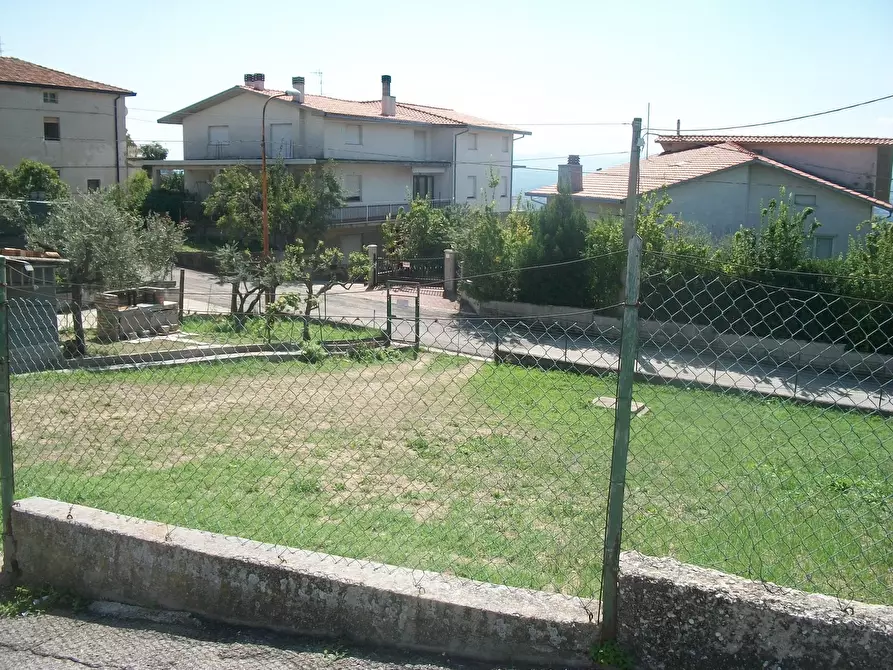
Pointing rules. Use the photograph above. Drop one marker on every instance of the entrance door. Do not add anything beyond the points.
(280, 145)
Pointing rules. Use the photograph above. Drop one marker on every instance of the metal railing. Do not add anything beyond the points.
(363, 213)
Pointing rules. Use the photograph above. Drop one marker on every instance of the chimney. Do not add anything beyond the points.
(249, 80)
(570, 176)
(259, 81)
(388, 101)
(297, 83)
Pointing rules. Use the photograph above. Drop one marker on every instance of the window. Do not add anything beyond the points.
(472, 141)
(823, 246)
(804, 200)
(422, 186)
(51, 129)
(353, 134)
(93, 184)
(50, 97)
(353, 188)
(505, 187)
(506, 144)
(472, 187)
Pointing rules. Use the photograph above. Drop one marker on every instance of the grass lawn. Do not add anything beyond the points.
(223, 329)
(492, 472)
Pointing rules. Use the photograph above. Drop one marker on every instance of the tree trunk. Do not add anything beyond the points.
(308, 306)
(77, 318)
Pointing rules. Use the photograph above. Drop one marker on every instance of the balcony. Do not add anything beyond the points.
(352, 214)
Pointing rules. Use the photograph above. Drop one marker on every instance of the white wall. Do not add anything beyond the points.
(837, 213)
(86, 125)
(478, 162)
(242, 115)
(717, 203)
(380, 141)
(851, 165)
(380, 184)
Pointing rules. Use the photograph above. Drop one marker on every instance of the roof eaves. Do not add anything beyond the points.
(111, 90)
(178, 116)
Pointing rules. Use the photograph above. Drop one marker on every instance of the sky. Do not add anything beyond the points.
(548, 67)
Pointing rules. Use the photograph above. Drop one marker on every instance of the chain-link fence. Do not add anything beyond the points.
(389, 426)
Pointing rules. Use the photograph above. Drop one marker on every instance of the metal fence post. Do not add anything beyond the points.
(389, 314)
(7, 479)
(182, 291)
(418, 319)
(622, 419)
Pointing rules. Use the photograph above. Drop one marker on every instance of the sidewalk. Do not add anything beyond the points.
(64, 640)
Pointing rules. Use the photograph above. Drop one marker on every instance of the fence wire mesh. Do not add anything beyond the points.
(763, 443)
(761, 438)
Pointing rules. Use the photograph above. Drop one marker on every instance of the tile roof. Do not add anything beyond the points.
(17, 71)
(772, 139)
(406, 111)
(369, 109)
(669, 169)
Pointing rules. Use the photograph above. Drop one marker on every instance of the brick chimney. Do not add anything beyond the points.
(255, 81)
(570, 176)
(388, 101)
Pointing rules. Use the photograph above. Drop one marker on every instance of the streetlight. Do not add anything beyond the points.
(263, 163)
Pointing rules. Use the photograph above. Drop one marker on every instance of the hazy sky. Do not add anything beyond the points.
(710, 63)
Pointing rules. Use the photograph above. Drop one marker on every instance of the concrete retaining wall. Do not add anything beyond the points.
(819, 356)
(678, 616)
(110, 557)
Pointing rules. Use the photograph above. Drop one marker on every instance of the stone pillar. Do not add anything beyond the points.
(372, 250)
(449, 274)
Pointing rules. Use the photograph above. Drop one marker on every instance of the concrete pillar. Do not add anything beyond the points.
(372, 250)
(156, 175)
(449, 274)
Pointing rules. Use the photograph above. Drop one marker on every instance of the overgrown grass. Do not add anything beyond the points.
(492, 472)
(253, 329)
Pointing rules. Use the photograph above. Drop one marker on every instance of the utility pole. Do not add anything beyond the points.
(318, 73)
(632, 187)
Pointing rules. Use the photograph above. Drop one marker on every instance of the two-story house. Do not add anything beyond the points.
(384, 152)
(75, 125)
(722, 182)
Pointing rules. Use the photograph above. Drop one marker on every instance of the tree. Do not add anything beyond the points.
(106, 246)
(173, 181)
(559, 235)
(31, 180)
(295, 209)
(153, 151)
(132, 194)
(248, 276)
(422, 231)
(304, 266)
(492, 251)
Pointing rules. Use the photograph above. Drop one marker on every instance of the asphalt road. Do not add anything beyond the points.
(67, 640)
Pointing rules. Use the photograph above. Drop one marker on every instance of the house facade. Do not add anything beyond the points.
(384, 152)
(722, 183)
(75, 125)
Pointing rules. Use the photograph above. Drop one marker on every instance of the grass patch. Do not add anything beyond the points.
(18, 601)
(492, 472)
(228, 329)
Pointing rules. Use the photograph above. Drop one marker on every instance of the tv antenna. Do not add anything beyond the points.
(318, 73)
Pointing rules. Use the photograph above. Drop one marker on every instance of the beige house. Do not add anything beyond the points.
(723, 182)
(73, 124)
(384, 151)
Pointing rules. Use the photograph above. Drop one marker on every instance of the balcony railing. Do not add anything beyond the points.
(218, 150)
(363, 213)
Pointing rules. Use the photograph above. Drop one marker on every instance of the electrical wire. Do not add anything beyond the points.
(777, 121)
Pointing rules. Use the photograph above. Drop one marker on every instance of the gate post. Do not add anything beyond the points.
(622, 417)
(449, 274)
(390, 314)
(7, 479)
(372, 250)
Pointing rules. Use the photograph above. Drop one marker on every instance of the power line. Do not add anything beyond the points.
(777, 121)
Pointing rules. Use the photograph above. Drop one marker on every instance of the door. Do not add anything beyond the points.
(280, 145)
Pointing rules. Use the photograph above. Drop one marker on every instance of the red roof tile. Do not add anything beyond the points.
(368, 109)
(771, 139)
(406, 111)
(17, 71)
(669, 169)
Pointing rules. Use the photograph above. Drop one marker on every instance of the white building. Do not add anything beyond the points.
(723, 182)
(384, 152)
(75, 125)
